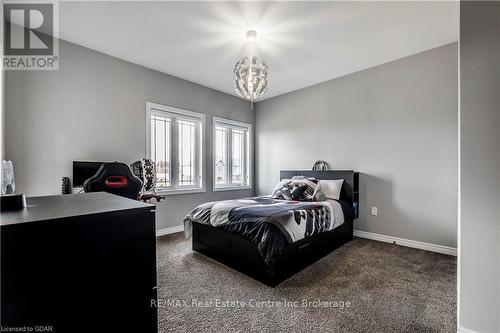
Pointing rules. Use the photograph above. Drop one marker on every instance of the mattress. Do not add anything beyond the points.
(271, 224)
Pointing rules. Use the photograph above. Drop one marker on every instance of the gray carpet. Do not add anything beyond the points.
(390, 289)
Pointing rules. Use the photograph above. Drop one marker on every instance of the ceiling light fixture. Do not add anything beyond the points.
(250, 74)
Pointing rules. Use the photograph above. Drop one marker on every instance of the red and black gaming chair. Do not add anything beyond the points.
(115, 178)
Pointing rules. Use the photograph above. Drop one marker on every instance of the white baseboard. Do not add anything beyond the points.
(407, 242)
(168, 231)
(461, 329)
(358, 233)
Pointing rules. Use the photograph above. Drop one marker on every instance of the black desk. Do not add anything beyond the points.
(79, 263)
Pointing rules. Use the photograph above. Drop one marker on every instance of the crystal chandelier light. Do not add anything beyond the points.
(250, 74)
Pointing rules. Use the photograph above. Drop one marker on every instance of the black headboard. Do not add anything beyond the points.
(349, 177)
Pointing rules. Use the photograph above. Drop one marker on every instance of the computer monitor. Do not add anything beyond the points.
(83, 171)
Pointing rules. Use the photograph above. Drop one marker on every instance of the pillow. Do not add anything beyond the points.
(314, 180)
(285, 193)
(320, 196)
(331, 188)
(308, 187)
(298, 192)
(278, 187)
(311, 187)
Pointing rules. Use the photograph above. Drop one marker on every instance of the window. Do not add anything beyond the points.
(231, 163)
(174, 143)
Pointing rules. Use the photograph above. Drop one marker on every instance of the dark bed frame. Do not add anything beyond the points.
(243, 255)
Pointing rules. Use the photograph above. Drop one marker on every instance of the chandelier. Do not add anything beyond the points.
(250, 74)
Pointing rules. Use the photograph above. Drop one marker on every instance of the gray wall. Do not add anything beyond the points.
(93, 108)
(396, 123)
(479, 293)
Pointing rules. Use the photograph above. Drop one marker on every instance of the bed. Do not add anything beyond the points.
(272, 252)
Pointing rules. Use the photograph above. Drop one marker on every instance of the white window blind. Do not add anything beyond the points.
(175, 145)
(231, 160)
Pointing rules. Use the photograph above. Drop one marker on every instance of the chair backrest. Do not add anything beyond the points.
(145, 170)
(115, 178)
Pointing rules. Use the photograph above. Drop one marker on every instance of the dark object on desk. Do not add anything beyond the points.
(79, 263)
(116, 178)
(83, 171)
(243, 255)
(66, 186)
(12, 202)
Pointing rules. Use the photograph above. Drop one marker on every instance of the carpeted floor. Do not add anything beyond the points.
(389, 289)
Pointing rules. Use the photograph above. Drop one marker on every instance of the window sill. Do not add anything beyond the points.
(181, 191)
(231, 188)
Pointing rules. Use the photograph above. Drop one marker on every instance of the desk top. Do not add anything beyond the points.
(69, 205)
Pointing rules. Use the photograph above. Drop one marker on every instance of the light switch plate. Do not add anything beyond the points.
(374, 211)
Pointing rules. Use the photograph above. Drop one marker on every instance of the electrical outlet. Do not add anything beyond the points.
(374, 211)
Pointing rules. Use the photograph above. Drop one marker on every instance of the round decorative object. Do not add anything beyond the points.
(250, 78)
(320, 166)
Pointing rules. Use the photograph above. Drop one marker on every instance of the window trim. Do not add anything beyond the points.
(249, 157)
(150, 106)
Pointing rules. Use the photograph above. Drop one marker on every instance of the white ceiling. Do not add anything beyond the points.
(303, 43)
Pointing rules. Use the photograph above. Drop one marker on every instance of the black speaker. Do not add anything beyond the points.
(66, 186)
